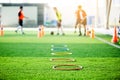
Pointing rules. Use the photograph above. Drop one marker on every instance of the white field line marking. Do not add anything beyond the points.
(107, 42)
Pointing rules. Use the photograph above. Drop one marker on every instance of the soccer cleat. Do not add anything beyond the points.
(84, 34)
(57, 33)
(63, 34)
(80, 34)
(23, 33)
(75, 32)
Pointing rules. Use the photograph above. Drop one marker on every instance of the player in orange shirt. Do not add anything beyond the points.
(81, 19)
(20, 20)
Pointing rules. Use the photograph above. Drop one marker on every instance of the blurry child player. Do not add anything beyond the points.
(81, 19)
(119, 27)
(20, 20)
(59, 21)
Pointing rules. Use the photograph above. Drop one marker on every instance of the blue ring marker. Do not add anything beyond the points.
(60, 49)
(57, 45)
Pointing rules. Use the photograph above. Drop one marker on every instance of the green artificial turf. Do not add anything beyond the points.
(108, 38)
(40, 68)
(27, 57)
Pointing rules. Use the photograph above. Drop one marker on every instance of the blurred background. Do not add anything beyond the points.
(100, 13)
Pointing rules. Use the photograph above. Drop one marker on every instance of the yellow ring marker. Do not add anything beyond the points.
(62, 59)
(61, 53)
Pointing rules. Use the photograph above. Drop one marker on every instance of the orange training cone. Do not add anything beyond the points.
(1, 31)
(115, 37)
(92, 34)
(39, 32)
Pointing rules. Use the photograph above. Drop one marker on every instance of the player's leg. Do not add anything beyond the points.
(58, 27)
(76, 24)
(84, 24)
(84, 30)
(62, 30)
(18, 26)
(22, 30)
(80, 29)
(79, 25)
(21, 23)
(60, 22)
(119, 30)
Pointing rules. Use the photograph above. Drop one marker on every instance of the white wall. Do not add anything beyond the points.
(10, 15)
